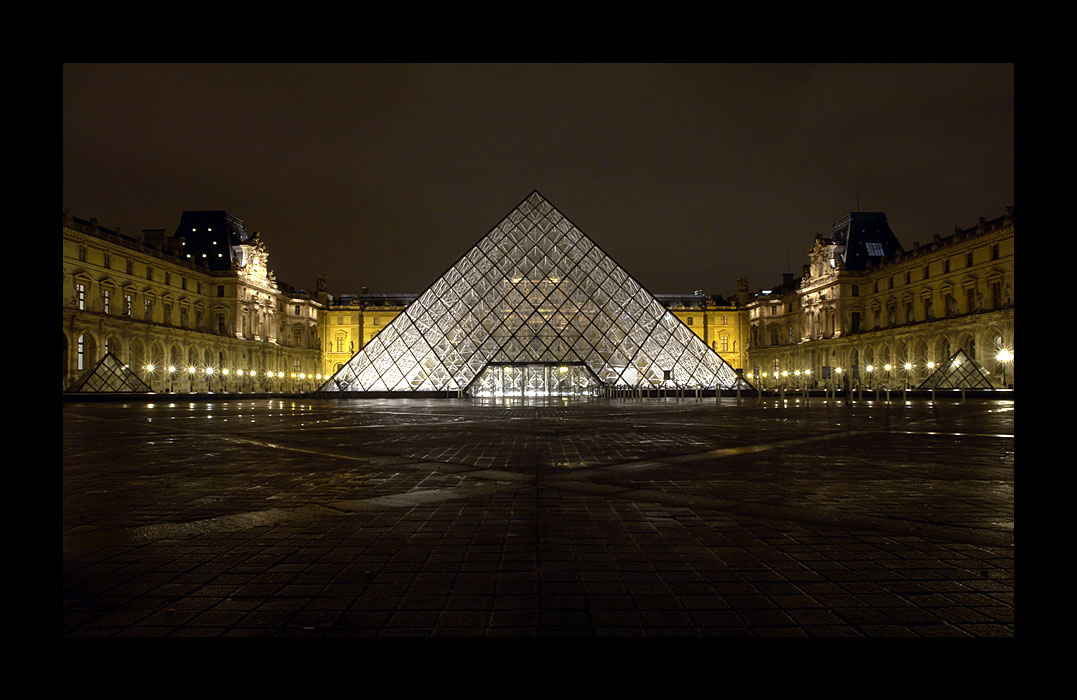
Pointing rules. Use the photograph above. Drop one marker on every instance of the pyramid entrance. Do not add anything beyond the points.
(535, 308)
(501, 379)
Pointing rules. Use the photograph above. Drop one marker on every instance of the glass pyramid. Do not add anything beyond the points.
(535, 306)
(959, 372)
(109, 375)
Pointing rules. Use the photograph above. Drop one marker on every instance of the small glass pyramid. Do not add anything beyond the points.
(534, 308)
(109, 375)
(959, 372)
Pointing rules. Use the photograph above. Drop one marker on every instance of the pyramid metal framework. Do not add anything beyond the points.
(535, 291)
(959, 372)
(109, 375)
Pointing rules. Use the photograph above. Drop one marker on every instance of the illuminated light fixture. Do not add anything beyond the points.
(807, 372)
(838, 370)
(171, 369)
(1004, 355)
(190, 370)
(564, 369)
(293, 375)
(209, 370)
(886, 367)
(797, 373)
(224, 371)
(870, 368)
(908, 366)
(785, 373)
(239, 372)
(931, 365)
(764, 374)
(149, 368)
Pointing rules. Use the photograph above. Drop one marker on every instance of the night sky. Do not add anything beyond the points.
(689, 175)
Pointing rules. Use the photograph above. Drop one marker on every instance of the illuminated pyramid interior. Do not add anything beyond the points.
(959, 372)
(534, 308)
(109, 375)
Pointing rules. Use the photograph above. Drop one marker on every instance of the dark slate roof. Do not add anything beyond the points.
(865, 237)
(212, 234)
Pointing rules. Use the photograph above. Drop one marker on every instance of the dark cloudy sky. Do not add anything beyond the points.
(689, 175)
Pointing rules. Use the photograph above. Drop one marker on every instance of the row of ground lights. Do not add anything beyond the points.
(1004, 356)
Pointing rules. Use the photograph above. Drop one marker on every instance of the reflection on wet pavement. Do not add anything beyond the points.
(381, 517)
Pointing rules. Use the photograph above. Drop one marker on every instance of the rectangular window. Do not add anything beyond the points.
(927, 271)
(994, 252)
(340, 320)
(107, 260)
(220, 290)
(725, 343)
(183, 318)
(168, 278)
(854, 324)
(725, 320)
(908, 313)
(149, 273)
(106, 300)
(946, 266)
(856, 290)
(127, 305)
(375, 320)
(968, 260)
(82, 258)
(130, 267)
(80, 362)
(149, 310)
(297, 309)
(908, 278)
(971, 300)
(996, 295)
(80, 296)
(689, 320)
(167, 315)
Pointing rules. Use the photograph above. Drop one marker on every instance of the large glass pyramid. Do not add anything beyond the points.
(959, 372)
(534, 307)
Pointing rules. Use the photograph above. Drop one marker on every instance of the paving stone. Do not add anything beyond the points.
(317, 517)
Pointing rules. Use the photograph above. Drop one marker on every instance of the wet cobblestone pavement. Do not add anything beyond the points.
(313, 517)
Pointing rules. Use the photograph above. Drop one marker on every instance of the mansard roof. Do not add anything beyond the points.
(862, 237)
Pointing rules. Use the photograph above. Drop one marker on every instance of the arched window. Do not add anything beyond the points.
(80, 353)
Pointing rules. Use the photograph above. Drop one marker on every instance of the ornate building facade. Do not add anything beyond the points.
(199, 310)
(881, 315)
(204, 302)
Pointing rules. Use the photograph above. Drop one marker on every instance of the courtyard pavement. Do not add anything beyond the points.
(607, 518)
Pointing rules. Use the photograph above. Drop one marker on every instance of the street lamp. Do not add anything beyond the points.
(1004, 356)
(171, 379)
